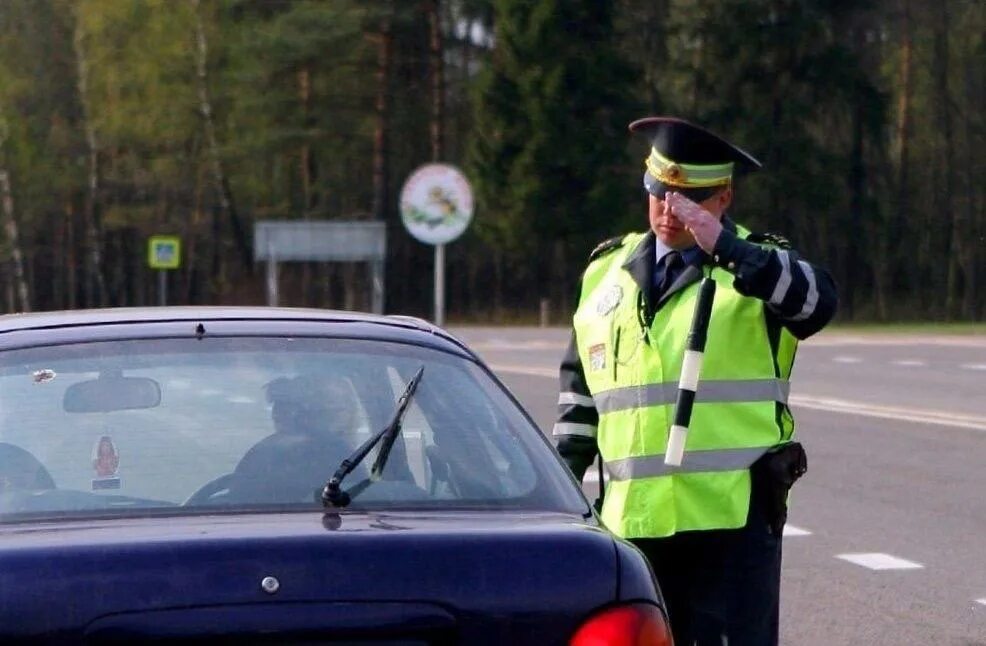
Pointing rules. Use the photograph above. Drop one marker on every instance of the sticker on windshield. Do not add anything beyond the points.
(106, 462)
(43, 376)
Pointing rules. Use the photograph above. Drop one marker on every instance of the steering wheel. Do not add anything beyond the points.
(205, 493)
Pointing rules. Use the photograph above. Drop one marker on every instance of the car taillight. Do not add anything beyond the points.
(638, 624)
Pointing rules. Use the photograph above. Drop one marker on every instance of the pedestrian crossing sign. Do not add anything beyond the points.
(164, 252)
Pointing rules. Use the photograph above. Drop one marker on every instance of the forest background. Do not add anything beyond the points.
(120, 119)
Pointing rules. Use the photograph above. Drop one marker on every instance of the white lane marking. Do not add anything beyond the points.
(828, 404)
(842, 359)
(974, 366)
(525, 370)
(917, 415)
(210, 392)
(970, 341)
(503, 344)
(880, 561)
(239, 399)
(910, 363)
(791, 530)
(981, 601)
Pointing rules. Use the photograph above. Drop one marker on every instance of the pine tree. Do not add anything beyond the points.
(547, 156)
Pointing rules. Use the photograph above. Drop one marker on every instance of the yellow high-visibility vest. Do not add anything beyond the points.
(740, 409)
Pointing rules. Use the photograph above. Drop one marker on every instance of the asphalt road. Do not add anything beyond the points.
(886, 537)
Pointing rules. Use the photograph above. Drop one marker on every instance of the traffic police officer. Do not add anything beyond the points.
(712, 526)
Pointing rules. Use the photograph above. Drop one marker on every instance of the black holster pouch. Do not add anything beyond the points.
(773, 475)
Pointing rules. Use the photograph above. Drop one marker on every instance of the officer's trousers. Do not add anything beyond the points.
(721, 587)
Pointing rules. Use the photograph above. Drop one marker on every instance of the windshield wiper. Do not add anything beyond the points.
(332, 494)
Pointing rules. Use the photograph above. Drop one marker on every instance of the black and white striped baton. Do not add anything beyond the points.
(691, 366)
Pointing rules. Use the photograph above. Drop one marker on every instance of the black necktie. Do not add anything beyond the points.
(667, 271)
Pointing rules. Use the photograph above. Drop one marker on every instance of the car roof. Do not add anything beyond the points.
(406, 329)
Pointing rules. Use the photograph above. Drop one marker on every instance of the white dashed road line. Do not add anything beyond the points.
(973, 366)
(791, 530)
(880, 561)
(842, 359)
(910, 363)
(982, 601)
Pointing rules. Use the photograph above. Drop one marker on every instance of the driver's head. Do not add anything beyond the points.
(312, 405)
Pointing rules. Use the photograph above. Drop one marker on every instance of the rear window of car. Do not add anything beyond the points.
(134, 427)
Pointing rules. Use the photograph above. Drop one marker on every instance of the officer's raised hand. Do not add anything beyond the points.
(703, 225)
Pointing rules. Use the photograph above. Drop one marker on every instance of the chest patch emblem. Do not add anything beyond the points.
(597, 357)
(609, 300)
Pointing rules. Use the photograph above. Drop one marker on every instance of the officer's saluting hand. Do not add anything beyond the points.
(703, 226)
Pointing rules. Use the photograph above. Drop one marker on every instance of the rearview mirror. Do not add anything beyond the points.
(107, 394)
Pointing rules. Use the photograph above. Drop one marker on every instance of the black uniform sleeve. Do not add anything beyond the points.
(575, 430)
(801, 295)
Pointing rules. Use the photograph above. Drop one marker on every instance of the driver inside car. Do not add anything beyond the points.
(21, 471)
(312, 417)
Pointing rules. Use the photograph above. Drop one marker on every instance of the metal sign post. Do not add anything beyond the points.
(436, 208)
(163, 254)
(439, 285)
(271, 276)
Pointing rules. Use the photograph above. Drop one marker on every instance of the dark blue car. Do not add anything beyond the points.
(289, 476)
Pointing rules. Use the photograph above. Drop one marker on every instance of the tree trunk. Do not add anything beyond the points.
(57, 296)
(10, 228)
(305, 159)
(72, 284)
(8, 288)
(304, 171)
(904, 128)
(498, 262)
(221, 180)
(192, 288)
(972, 247)
(436, 66)
(947, 207)
(95, 282)
(476, 290)
(385, 39)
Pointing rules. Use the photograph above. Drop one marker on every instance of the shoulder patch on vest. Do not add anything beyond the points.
(770, 239)
(605, 247)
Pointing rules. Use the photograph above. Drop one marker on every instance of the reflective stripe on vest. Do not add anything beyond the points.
(571, 428)
(652, 466)
(720, 391)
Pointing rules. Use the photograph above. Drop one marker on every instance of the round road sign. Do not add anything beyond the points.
(436, 203)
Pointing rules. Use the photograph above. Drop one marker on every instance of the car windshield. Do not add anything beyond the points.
(133, 427)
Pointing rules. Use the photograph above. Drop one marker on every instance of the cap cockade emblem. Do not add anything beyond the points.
(674, 173)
